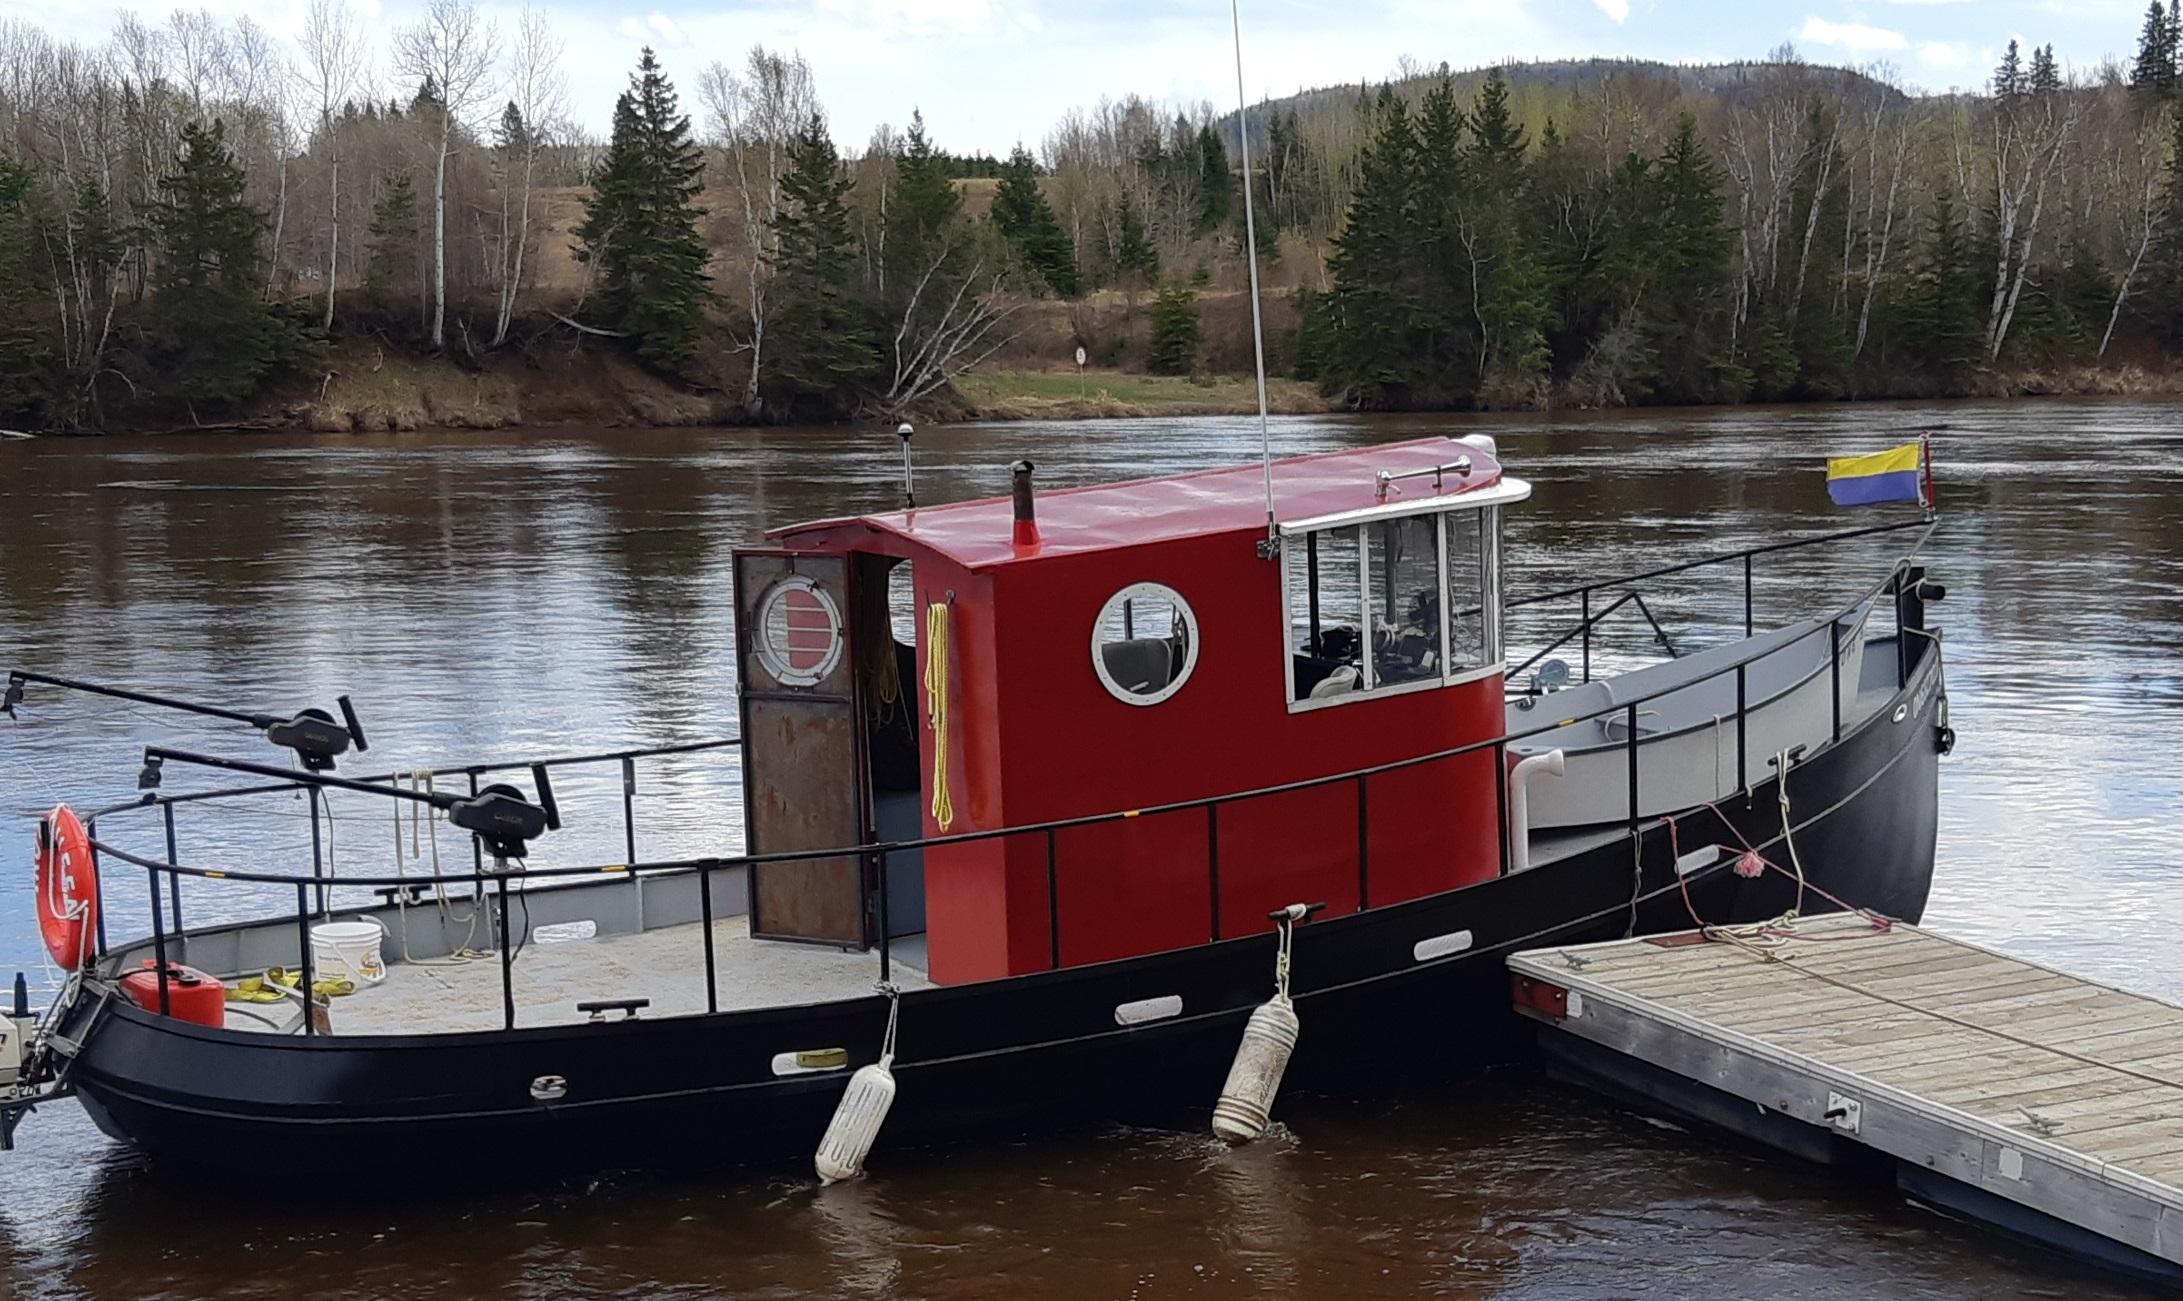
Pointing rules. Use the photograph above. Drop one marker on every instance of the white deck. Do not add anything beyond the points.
(665, 965)
(2034, 1086)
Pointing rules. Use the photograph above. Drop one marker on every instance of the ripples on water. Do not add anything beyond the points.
(489, 596)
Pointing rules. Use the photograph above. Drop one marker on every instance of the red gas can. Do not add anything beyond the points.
(191, 994)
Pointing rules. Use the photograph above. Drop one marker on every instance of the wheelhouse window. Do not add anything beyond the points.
(1392, 604)
(1145, 643)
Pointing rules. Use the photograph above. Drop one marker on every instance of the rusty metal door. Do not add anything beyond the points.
(803, 765)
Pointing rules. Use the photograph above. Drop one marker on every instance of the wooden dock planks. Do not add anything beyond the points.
(2055, 1093)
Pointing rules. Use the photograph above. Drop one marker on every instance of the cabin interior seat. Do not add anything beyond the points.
(1142, 665)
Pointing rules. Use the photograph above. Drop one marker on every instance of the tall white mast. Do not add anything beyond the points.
(1250, 239)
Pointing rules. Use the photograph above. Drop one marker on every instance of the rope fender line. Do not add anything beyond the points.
(936, 709)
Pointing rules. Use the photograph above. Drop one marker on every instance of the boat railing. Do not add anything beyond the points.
(1591, 615)
(878, 855)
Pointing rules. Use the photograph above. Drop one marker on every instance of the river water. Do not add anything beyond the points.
(520, 593)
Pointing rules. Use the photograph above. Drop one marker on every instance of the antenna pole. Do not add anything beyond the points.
(1271, 548)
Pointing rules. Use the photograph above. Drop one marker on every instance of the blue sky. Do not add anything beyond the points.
(988, 71)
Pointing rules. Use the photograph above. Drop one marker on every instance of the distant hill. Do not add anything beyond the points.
(1729, 84)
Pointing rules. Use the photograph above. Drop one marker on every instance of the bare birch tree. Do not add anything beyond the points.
(453, 50)
(2030, 132)
(538, 93)
(752, 118)
(333, 69)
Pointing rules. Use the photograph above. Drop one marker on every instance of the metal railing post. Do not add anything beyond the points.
(477, 849)
(629, 834)
(159, 938)
(1743, 758)
(1587, 634)
(1212, 862)
(303, 963)
(91, 833)
(1749, 622)
(1364, 845)
(174, 881)
(1053, 903)
(886, 929)
(318, 861)
(705, 921)
(507, 954)
(629, 811)
(1500, 799)
(1834, 637)
(1631, 718)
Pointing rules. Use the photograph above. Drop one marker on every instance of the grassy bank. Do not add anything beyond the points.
(365, 388)
(1106, 395)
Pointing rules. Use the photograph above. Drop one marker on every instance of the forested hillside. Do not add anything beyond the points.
(199, 223)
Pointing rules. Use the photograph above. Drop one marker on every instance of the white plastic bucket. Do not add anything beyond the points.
(348, 951)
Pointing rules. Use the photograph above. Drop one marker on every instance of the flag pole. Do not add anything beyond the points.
(1925, 465)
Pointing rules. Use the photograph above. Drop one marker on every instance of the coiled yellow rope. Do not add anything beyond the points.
(936, 675)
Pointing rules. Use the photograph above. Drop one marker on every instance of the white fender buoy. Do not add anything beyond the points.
(863, 1109)
(1269, 1038)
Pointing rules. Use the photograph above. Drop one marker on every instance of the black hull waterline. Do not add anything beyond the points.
(1028, 1051)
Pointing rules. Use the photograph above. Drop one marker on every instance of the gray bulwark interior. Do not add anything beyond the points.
(1687, 740)
(621, 936)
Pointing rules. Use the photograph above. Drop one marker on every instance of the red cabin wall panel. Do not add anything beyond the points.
(1075, 750)
(1297, 847)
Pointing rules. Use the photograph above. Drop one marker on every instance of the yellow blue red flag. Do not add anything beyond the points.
(1892, 475)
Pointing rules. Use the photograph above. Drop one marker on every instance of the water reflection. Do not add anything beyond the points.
(487, 595)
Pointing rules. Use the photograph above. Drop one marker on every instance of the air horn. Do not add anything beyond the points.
(313, 734)
(499, 816)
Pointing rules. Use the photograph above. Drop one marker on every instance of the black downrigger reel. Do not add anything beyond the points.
(314, 735)
(500, 816)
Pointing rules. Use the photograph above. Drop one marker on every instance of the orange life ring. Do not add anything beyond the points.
(68, 890)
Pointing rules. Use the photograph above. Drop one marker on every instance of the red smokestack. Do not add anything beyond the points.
(1026, 530)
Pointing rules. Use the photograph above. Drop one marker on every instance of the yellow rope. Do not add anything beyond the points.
(936, 674)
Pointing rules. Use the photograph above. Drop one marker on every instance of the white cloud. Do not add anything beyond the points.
(1944, 54)
(1619, 10)
(666, 28)
(1858, 38)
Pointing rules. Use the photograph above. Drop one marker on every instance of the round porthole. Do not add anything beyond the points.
(1145, 644)
(798, 631)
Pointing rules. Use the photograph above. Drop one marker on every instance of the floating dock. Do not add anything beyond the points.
(2041, 1102)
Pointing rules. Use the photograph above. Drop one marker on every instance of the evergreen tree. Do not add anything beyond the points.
(2153, 73)
(1806, 312)
(1022, 214)
(394, 266)
(27, 379)
(2009, 77)
(1381, 353)
(640, 225)
(922, 207)
(1945, 312)
(2046, 74)
(2161, 303)
(511, 134)
(1134, 253)
(1684, 314)
(1509, 293)
(1216, 187)
(1314, 334)
(1174, 332)
(212, 329)
(824, 352)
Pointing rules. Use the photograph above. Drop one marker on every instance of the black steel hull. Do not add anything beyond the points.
(1017, 1053)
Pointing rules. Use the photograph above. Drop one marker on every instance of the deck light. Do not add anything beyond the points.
(905, 431)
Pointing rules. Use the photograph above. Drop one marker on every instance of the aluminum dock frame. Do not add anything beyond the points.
(2048, 1105)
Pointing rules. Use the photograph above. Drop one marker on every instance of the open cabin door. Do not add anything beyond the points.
(802, 766)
